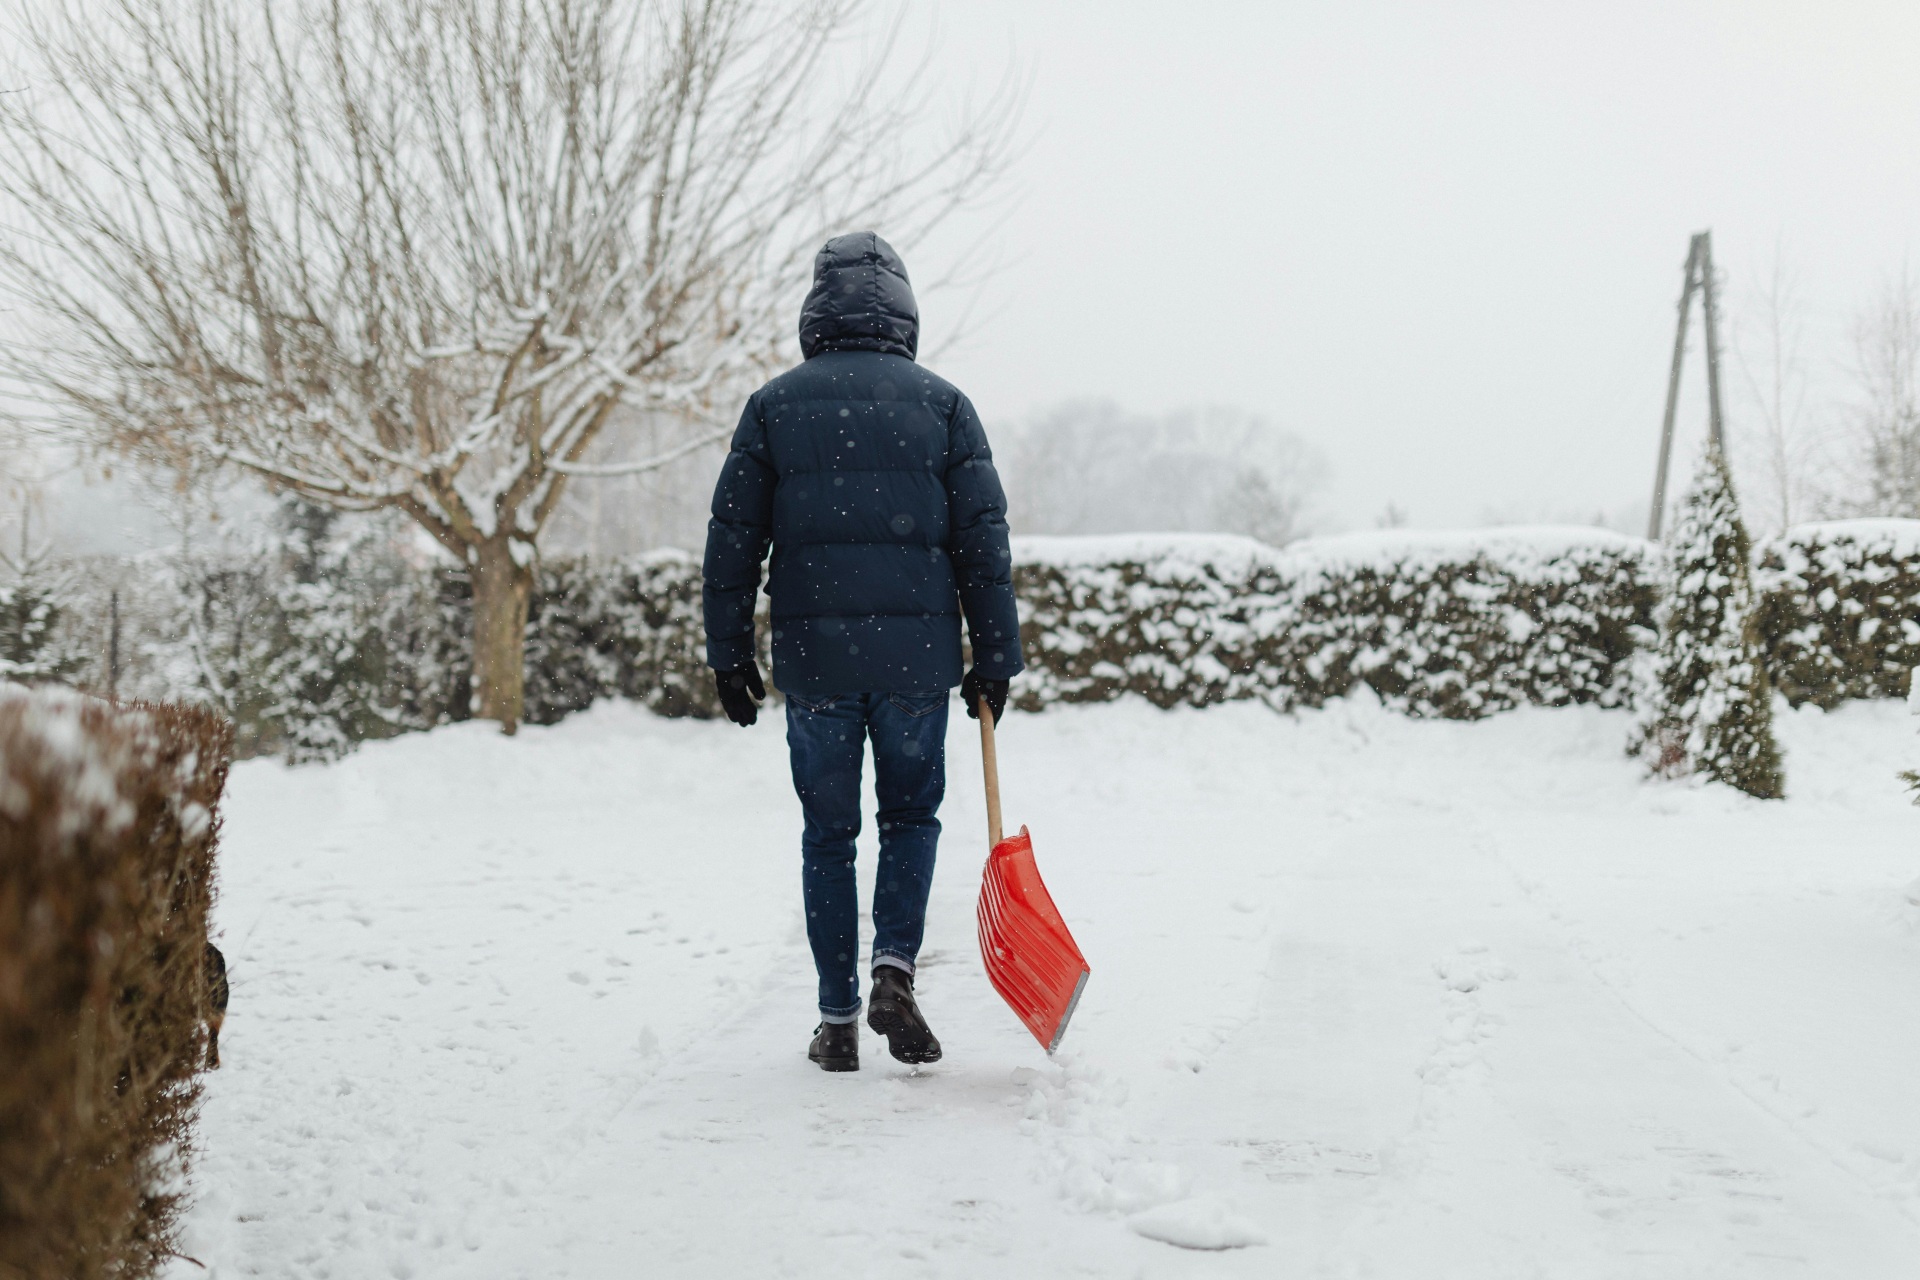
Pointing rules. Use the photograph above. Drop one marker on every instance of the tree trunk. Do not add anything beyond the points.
(501, 590)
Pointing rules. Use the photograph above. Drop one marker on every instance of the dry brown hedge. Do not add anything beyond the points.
(108, 827)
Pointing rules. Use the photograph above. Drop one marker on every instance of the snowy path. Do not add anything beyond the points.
(1404, 999)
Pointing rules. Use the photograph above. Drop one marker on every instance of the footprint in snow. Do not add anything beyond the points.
(1470, 968)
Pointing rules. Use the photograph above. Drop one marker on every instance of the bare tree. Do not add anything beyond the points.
(23, 504)
(1887, 377)
(1089, 466)
(1768, 349)
(415, 254)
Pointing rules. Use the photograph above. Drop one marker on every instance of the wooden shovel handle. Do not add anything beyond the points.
(990, 765)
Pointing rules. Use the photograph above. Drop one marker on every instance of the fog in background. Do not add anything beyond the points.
(1422, 260)
(1087, 466)
(1093, 467)
(1443, 242)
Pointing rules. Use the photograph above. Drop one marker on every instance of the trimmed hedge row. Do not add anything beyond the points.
(1840, 609)
(309, 657)
(109, 818)
(313, 646)
(628, 629)
(1458, 627)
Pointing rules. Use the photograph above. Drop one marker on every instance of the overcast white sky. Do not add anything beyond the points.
(1442, 241)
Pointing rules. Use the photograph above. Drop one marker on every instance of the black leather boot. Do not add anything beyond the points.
(836, 1046)
(894, 1013)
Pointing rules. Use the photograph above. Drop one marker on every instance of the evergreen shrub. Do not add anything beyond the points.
(1840, 609)
(313, 641)
(1709, 708)
(33, 645)
(1457, 626)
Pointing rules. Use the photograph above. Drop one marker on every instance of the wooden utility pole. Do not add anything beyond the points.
(1673, 392)
(1698, 275)
(1710, 312)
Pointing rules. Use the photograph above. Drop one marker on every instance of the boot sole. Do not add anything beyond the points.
(906, 1042)
(835, 1064)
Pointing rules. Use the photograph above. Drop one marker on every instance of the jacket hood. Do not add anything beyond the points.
(860, 300)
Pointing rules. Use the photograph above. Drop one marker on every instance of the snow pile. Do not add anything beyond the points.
(1841, 609)
(1452, 624)
(1197, 1224)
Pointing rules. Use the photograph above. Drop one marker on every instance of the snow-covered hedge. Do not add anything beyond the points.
(310, 648)
(1450, 624)
(1841, 610)
(314, 642)
(622, 628)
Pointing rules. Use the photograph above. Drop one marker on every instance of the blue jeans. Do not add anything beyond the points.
(827, 737)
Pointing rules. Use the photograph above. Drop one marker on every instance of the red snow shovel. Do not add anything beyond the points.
(1030, 956)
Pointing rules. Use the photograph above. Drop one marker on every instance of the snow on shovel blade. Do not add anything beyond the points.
(1030, 956)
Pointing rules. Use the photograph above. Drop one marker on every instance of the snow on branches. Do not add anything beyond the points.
(331, 632)
(1841, 609)
(1709, 707)
(421, 255)
(1436, 624)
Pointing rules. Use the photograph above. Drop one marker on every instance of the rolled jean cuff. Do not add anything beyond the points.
(895, 959)
(840, 1017)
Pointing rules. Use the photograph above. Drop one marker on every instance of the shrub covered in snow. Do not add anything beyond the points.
(1454, 625)
(624, 628)
(33, 646)
(314, 640)
(318, 637)
(309, 642)
(1710, 709)
(312, 644)
(108, 822)
(1841, 609)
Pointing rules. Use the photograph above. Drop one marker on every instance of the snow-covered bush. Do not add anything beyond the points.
(318, 638)
(1841, 609)
(309, 640)
(625, 628)
(32, 645)
(312, 641)
(1454, 625)
(364, 646)
(1710, 709)
(312, 644)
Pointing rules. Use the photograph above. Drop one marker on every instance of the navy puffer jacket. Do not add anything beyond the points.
(872, 481)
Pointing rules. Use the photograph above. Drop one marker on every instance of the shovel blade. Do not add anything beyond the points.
(1030, 955)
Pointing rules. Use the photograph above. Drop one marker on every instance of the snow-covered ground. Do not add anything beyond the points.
(1393, 998)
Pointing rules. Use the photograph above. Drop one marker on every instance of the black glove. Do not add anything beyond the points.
(976, 687)
(740, 693)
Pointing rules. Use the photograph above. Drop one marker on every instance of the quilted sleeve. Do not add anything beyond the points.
(977, 544)
(738, 536)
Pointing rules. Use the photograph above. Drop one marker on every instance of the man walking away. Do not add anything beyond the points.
(871, 480)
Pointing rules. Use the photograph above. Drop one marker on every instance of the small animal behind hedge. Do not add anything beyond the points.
(216, 1001)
